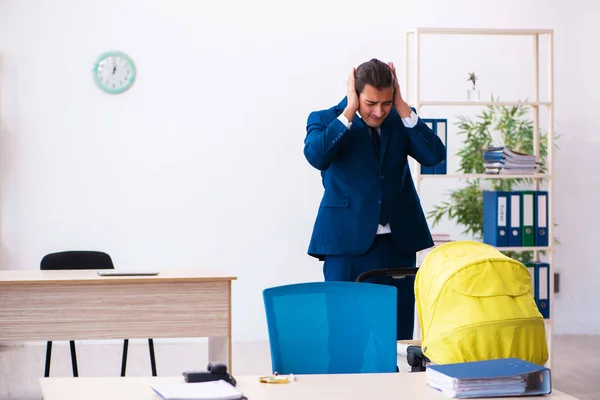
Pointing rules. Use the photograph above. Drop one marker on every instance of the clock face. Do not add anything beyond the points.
(114, 72)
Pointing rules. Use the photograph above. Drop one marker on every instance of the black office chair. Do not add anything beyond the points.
(80, 259)
(414, 354)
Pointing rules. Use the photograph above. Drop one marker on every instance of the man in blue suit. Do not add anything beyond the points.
(370, 216)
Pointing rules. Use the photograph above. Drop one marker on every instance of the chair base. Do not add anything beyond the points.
(152, 357)
(74, 358)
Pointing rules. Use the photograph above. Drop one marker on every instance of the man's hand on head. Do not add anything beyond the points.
(399, 104)
(352, 97)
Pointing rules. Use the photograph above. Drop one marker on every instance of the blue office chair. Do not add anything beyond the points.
(332, 328)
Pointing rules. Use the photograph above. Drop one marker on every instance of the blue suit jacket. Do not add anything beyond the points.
(356, 184)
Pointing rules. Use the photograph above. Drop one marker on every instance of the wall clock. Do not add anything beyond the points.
(114, 72)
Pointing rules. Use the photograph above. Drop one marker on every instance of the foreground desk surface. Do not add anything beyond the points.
(81, 305)
(313, 387)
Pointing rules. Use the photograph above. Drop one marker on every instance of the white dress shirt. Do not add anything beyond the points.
(408, 122)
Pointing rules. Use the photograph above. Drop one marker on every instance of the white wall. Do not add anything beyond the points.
(200, 164)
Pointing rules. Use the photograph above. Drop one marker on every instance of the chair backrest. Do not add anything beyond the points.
(332, 327)
(76, 259)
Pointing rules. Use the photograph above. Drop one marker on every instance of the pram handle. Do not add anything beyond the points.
(378, 273)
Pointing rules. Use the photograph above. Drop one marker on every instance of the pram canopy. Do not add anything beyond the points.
(475, 303)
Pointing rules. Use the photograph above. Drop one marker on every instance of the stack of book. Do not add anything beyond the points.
(502, 160)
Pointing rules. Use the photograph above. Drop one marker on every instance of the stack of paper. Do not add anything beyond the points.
(492, 378)
(212, 390)
(439, 238)
(502, 160)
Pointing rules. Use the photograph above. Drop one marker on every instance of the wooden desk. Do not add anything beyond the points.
(313, 387)
(80, 305)
(411, 342)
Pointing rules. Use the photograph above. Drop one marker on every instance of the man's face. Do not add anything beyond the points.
(375, 105)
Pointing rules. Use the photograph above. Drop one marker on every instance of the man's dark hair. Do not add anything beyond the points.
(375, 73)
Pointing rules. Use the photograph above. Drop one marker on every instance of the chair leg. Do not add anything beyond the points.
(74, 358)
(152, 357)
(124, 360)
(48, 356)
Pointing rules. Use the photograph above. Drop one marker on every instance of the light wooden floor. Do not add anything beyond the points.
(575, 371)
(577, 367)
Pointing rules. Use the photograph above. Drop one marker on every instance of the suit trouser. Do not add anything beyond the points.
(381, 254)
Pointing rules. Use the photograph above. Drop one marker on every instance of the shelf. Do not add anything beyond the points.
(478, 31)
(515, 248)
(542, 41)
(485, 103)
(484, 176)
(546, 248)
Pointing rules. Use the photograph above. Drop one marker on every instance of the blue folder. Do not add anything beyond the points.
(541, 291)
(540, 218)
(496, 214)
(515, 230)
(490, 378)
(439, 126)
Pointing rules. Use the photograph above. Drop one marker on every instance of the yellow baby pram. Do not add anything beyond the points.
(475, 303)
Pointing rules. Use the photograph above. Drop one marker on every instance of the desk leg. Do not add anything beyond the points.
(219, 347)
(218, 350)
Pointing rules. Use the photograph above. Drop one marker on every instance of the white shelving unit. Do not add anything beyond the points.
(535, 103)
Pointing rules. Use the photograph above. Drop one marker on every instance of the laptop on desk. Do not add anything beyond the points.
(116, 272)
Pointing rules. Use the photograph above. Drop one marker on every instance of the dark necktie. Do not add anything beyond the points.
(376, 140)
